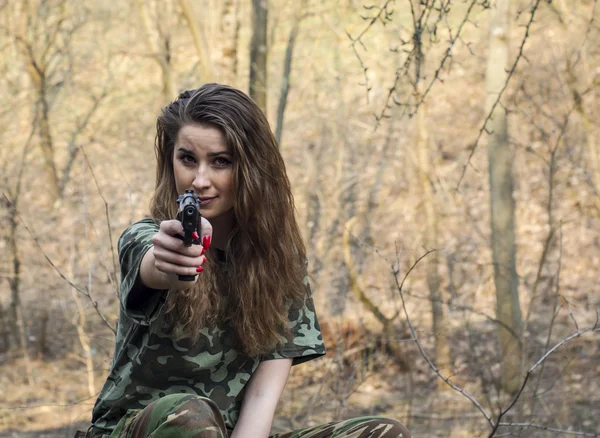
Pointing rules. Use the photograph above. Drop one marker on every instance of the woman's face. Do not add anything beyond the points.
(202, 161)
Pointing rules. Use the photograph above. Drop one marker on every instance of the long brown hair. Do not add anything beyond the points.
(265, 255)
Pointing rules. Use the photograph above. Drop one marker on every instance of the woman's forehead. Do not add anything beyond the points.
(201, 136)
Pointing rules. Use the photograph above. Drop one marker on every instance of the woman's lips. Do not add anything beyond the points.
(204, 201)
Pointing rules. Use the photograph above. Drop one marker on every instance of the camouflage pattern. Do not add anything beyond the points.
(361, 427)
(189, 416)
(173, 416)
(149, 363)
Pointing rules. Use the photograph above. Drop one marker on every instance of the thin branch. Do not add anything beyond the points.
(577, 334)
(75, 134)
(550, 429)
(384, 15)
(498, 423)
(552, 321)
(399, 285)
(106, 212)
(501, 93)
(447, 55)
(84, 292)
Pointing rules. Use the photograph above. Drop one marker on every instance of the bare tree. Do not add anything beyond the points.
(160, 48)
(425, 171)
(494, 420)
(200, 42)
(230, 30)
(388, 322)
(10, 201)
(502, 204)
(258, 54)
(41, 31)
(287, 68)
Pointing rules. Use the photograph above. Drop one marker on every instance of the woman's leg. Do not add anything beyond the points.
(361, 427)
(174, 416)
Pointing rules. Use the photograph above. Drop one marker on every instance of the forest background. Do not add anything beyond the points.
(391, 117)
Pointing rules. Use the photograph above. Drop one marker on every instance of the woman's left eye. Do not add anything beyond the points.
(222, 162)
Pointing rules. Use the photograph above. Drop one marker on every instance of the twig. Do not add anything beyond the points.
(501, 93)
(447, 56)
(395, 270)
(550, 429)
(106, 212)
(383, 10)
(58, 271)
(552, 321)
(494, 424)
(577, 334)
(480, 369)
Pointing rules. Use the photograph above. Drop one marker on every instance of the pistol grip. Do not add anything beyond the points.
(193, 241)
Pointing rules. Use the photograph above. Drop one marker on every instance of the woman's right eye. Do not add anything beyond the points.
(187, 159)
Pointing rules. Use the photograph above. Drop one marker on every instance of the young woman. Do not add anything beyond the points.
(210, 357)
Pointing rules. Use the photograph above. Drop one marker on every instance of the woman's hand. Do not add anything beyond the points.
(169, 257)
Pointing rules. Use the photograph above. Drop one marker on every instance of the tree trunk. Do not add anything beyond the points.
(15, 277)
(80, 323)
(501, 156)
(440, 326)
(442, 350)
(46, 141)
(37, 74)
(230, 30)
(36, 66)
(24, 346)
(162, 56)
(285, 80)
(258, 54)
(199, 41)
(313, 215)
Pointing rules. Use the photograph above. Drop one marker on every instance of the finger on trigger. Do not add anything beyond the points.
(172, 227)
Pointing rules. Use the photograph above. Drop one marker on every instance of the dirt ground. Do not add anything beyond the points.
(332, 388)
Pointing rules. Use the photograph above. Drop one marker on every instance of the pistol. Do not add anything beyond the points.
(188, 214)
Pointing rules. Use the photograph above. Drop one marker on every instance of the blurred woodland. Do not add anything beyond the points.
(446, 169)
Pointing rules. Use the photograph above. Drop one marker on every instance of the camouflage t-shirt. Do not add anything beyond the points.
(149, 363)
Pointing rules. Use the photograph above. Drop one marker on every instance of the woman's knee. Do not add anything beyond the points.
(182, 415)
(399, 429)
(381, 427)
(173, 403)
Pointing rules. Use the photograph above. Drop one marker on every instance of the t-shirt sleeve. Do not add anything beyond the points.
(133, 244)
(306, 341)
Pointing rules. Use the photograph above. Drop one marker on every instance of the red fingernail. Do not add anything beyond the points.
(203, 251)
(206, 242)
(195, 235)
(199, 269)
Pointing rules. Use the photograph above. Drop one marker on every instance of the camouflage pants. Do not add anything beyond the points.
(189, 416)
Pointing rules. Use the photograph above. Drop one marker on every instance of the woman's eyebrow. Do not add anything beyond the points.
(215, 154)
(185, 151)
(210, 154)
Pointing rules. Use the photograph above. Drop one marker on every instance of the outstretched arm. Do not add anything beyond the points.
(261, 398)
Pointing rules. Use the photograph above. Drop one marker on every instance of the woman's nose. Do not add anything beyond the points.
(202, 180)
